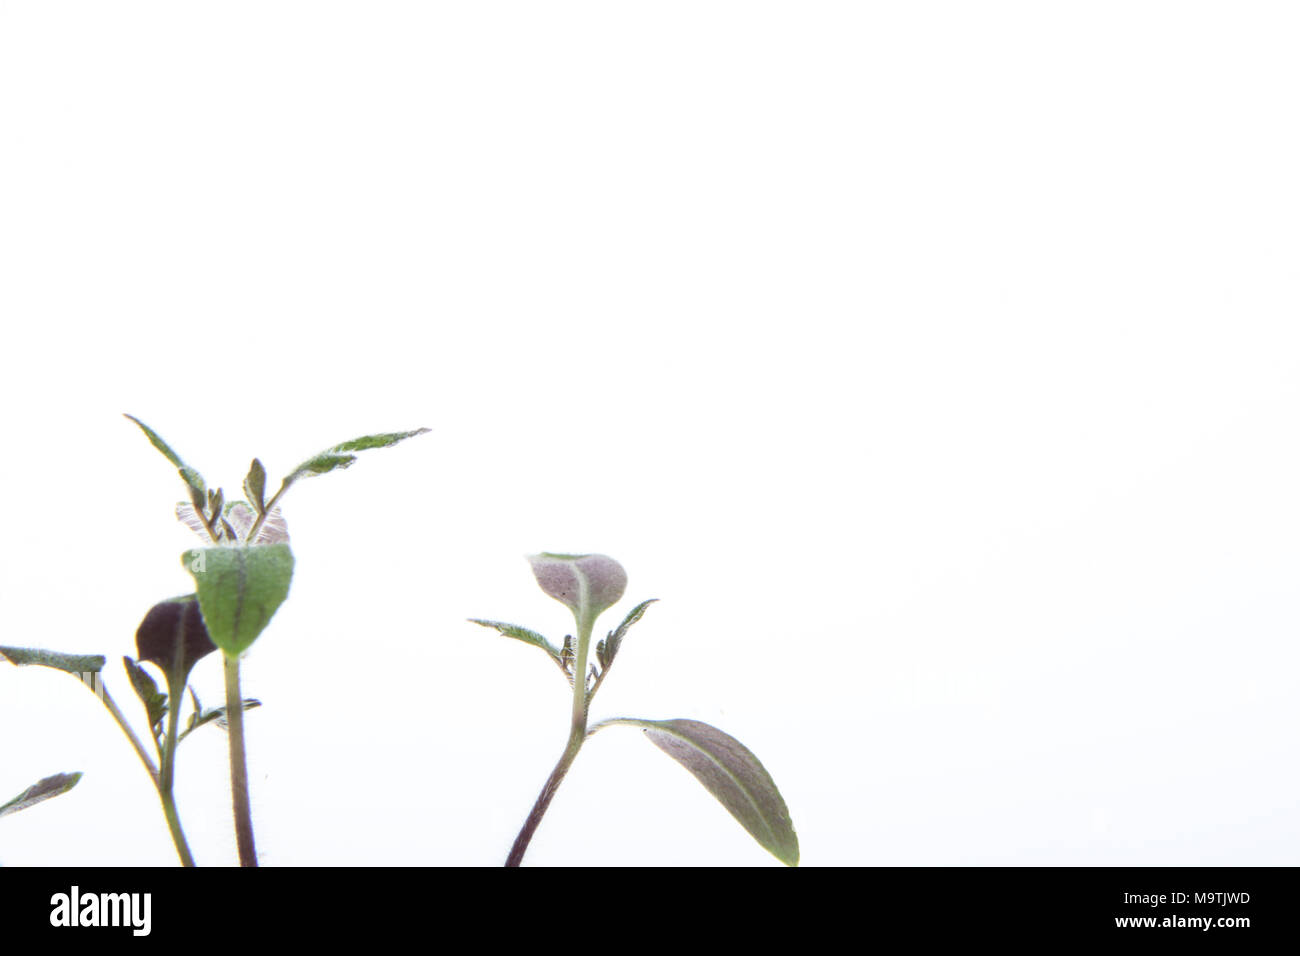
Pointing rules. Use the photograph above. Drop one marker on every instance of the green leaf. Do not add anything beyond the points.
(41, 791)
(522, 634)
(158, 443)
(239, 589)
(255, 485)
(75, 664)
(188, 474)
(366, 442)
(319, 465)
(615, 639)
(338, 456)
(201, 717)
(732, 774)
(154, 700)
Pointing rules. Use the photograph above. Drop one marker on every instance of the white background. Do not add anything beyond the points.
(934, 364)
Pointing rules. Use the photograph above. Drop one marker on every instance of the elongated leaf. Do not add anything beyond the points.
(522, 634)
(188, 474)
(75, 664)
(146, 688)
(41, 791)
(733, 775)
(239, 590)
(201, 717)
(366, 442)
(157, 442)
(615, 639)
(338, 456)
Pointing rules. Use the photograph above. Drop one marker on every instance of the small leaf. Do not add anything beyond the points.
(40, 791)
(188, 474)
(255, 485)
(616, 638)
(337, 457)
(75, 664)
(522, 634)
(158, 443)
(201, 717)
(222, 716)
(733, 775)
(154, 700)
(239, 589)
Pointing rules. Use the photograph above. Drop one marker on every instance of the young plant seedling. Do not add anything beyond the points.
(590, 584)
(241, 578)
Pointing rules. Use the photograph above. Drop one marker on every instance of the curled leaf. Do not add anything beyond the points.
(201, 717)
(587, 584)
(255, 486)
(173, 636)
(154, 700)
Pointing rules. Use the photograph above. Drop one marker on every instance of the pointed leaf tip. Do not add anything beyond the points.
(41, 791)
(520, 634)
(191, 477)
(255, 486)
(339, 455)
(735, 777)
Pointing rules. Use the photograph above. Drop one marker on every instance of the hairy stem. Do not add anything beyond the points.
(577, 735)
(525, 837)
(167, 780)
(107, 700)
(266, 510)
(164, 795)
(239, 766)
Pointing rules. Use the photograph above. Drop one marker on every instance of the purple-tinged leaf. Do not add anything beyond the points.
(729, 771)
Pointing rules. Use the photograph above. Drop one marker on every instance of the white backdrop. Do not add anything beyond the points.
(935, 364)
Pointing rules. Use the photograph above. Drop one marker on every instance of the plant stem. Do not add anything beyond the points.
(107, 700)
(239, 766)
(164, 794)
(174, 825)
(520, 847)
(577, 736)
(166, 782)
(266, 510)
